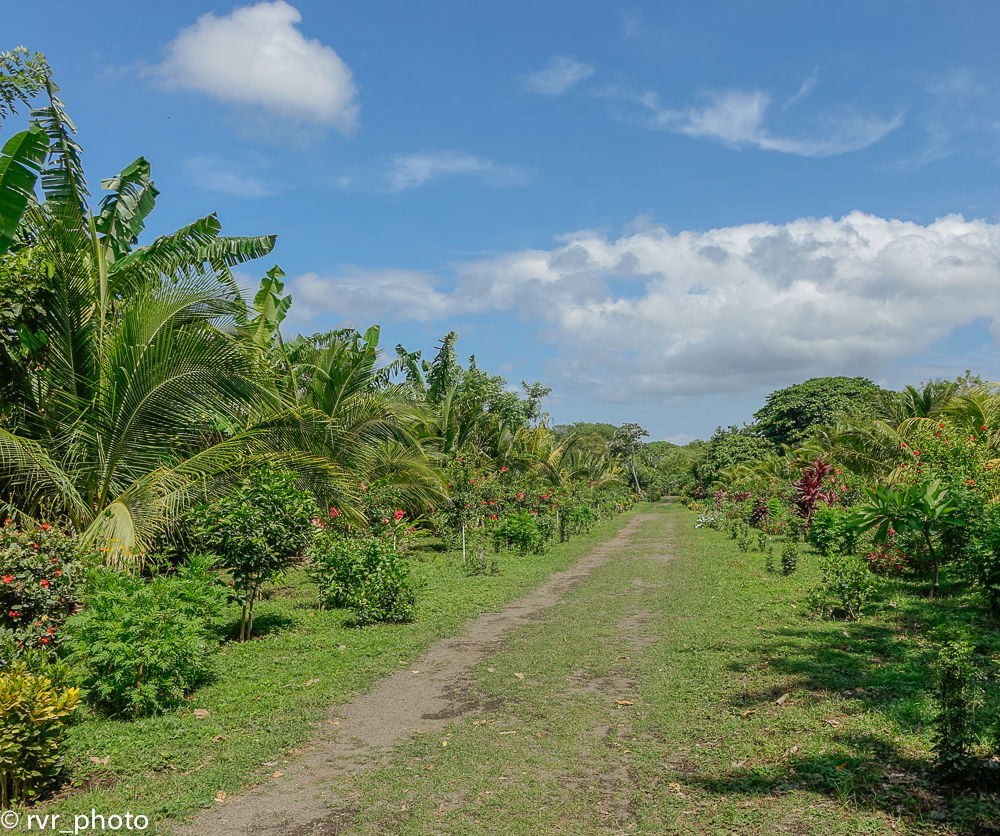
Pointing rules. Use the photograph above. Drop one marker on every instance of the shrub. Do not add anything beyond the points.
(33, 716)
(834, 531)
(256, 531)
(789, 558)
(707, 521)
(39, 574)
(744, 537)
(140, 646)
(365, 575)
(520, 532)
(846, 586)
(958, 681)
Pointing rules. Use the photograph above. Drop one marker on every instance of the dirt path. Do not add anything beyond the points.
(422, 698)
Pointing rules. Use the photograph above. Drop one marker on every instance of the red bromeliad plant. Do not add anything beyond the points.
(813, 487)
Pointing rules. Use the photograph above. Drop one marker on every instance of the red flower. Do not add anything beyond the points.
(493, 516)
(399, 515)
(334, 512)
(504, 469)
(386, 520)
(8, 579)
(983, 427)
(972, 481)
(838, 471)
(46, 526)
(916, 452)
(521, 496)
(44, 582)
(45, 640)
(472, 481)
(903, 444)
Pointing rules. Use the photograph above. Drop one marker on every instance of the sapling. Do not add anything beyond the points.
(789, 558)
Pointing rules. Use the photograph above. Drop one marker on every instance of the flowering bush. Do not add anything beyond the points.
(39, 574)
(835, 531)
(886, 559)
(364, 574)
(33, 716)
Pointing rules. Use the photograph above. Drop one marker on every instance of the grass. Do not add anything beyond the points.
(689, 697)
(269, 693)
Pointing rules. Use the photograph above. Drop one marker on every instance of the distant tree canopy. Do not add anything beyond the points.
(790, 413)
(729, 447)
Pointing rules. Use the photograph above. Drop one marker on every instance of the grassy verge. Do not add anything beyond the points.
(269, 693)
(689, 696)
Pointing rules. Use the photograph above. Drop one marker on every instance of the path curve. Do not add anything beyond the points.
(423, 698)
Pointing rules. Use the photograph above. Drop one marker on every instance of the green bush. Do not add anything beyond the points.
(139, 647)
(846, 586)
(835, 531)
(33, 716)
(789, 558)
(256, 531)
(521, 533)
(365, 575)
(39, 574)
(959, 686)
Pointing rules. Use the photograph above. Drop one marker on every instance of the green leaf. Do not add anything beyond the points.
(20, 163)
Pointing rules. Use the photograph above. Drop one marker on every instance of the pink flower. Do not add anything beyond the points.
(363, 486)
(334, 512)
(386, 520)
(399, 515)
(503, 469)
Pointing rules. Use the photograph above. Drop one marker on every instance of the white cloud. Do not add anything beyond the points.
(738, 118)
(366, 295)
(560, 74)
(738, 308)
(408, 171)
(255, 56)
(216, 175)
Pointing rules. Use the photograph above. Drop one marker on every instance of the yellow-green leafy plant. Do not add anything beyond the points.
(33, 718)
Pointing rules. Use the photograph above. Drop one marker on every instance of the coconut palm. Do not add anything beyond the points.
(141, 393)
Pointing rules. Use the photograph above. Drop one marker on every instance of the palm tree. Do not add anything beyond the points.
(141, 394)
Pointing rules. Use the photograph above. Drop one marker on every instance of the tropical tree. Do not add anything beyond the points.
(139, 393)
(925, 509)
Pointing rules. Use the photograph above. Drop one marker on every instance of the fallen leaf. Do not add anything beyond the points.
(102, 761)
(309, 682)
(444, 742)
(218, 737)
(220, 796)
(782, 699)
(201, 713)
(277, 773)
(624, 702)
(508, 732)
(270, 763)
(748, 712)
(519, 676)
(738, 764)
(833, 721)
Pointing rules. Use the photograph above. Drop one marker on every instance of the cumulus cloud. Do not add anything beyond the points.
(560, 74)
(257, 57)
(407, 171)
(217, 176)
(738, 118)
(738, 308)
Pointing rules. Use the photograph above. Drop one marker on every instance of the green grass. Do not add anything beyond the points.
(747, 717)
(269, 693)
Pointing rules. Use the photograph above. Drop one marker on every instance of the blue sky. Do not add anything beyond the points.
(664, 211)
